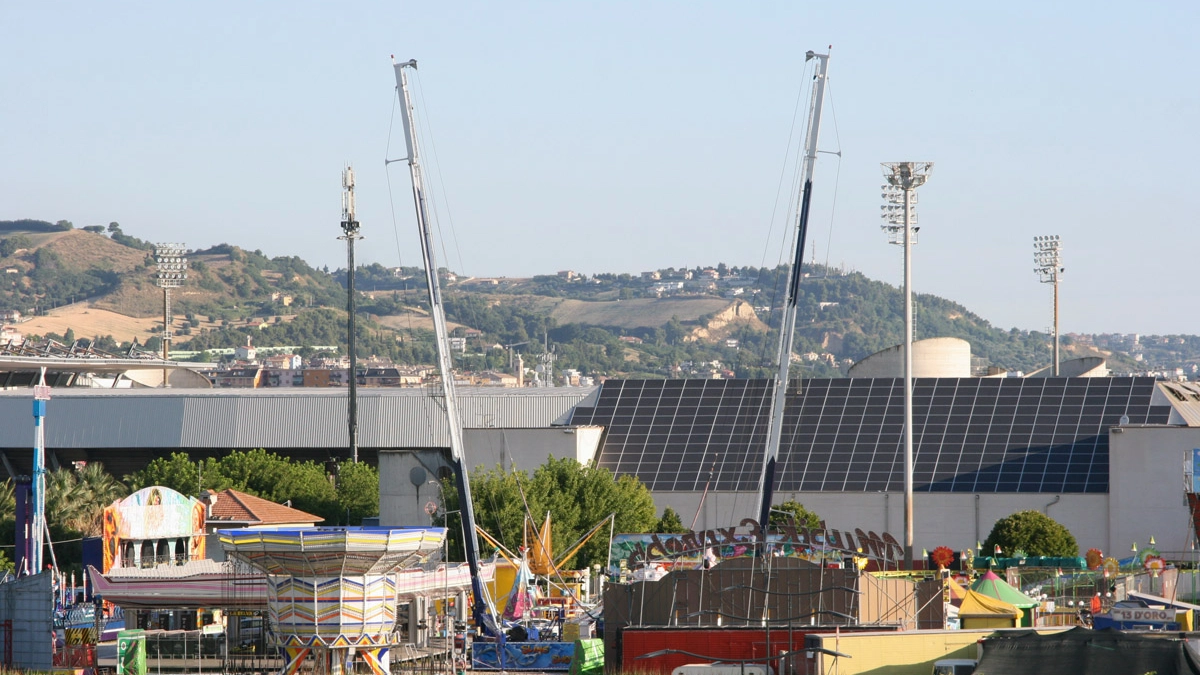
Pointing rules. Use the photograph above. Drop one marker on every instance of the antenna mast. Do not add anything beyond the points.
(350, 234)
(437, 311)
(766, 482)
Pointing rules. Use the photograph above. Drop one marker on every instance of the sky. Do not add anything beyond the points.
(629, 136)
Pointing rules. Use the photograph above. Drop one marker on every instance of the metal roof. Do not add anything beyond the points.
(298, 417)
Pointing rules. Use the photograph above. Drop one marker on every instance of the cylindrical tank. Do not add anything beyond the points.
(932, 357)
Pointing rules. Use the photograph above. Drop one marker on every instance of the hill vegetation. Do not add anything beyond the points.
(97, 282)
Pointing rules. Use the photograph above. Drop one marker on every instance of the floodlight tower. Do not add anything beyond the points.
(903, 178)
(350, 230)
(1047, 256)
(172, 272)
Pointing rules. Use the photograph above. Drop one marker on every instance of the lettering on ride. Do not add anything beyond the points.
(1144, 614)
(735, 541)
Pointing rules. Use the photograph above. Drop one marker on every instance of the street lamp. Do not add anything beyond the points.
(172, 272)
(899, 212)
(1047, 256)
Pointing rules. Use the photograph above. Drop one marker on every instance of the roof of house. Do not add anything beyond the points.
(238, 507)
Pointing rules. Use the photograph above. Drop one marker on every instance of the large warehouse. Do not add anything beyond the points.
(1105, 456)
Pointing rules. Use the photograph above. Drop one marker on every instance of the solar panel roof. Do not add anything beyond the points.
(846, 435)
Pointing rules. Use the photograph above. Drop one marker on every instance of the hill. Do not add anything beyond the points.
(635, 313)
(98, 282)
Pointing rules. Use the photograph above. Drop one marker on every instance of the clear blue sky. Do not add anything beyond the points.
(626, 136)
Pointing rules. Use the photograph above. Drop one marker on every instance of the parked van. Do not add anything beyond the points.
(954, 667)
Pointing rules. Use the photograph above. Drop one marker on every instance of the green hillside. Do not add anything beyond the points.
(659, 324)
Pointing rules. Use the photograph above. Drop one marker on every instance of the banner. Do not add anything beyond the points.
(539, 656)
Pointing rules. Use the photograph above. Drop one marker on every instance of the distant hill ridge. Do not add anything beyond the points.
(87, 279)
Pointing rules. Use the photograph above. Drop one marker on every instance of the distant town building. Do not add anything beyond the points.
(283, 377)
(246, 352)
(9, 316)
(283, 361)
(249, 377)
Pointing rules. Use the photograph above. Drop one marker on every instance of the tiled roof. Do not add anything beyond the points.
(238, 507)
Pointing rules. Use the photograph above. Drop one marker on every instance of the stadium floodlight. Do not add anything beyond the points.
(1047, 258)
(899, 212)
(172, 272)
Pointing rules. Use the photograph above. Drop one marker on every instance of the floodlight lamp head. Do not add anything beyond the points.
(809, 55)
(907, 175)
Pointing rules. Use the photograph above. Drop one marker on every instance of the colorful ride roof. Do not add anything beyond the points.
(993, 586)
(333, 551)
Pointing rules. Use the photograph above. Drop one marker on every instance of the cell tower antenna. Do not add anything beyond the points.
(350, 234)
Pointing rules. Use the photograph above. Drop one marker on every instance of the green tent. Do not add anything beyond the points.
(994, 587)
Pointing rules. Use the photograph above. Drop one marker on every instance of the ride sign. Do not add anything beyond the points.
(1143, 614)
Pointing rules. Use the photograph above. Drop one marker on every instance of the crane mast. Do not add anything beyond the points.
(437, 311)
(766, 484)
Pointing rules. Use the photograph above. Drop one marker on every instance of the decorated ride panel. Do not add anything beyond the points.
(537, 656)
(361, 609)
(693, 550)
(333, 587)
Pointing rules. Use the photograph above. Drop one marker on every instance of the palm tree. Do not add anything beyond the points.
(8, 501)
(76, 498)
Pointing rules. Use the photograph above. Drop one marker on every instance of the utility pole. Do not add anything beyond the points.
(900, 212)
(350, 234)
(1047, 256)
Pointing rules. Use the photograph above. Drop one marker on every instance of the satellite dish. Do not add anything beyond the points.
(417, 476)
(1124, 420)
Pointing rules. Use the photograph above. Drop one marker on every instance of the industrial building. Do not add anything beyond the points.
(1106, 456)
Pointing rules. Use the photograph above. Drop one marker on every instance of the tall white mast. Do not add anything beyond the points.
(437, 311)
(766, 482)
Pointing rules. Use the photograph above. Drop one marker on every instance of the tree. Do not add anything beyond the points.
(255, 472)
(1034, 533)
(670, 523)
(75, 500)
(790, 510)
(179, 473)
(577, 497)
(358, 491)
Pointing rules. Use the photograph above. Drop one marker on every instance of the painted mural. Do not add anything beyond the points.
(694, 550)
(153, 514)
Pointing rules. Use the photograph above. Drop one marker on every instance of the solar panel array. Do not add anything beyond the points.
(846, 435)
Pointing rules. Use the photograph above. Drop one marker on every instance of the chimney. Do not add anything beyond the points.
(208, 498)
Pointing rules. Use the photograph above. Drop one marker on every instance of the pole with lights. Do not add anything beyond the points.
(899, 211)
(350, 234)
(1047, 258)
(172, 272)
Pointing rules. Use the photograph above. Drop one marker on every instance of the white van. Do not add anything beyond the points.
(954, 667)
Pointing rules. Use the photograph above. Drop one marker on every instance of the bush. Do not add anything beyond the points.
(1034, 533)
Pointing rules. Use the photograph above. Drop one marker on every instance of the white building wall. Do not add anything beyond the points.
(939, 519)
(404, 475)
(1147, 487)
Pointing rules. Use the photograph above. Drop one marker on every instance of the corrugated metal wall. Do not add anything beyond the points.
(256, 418)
